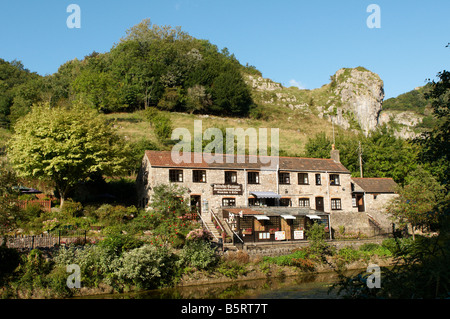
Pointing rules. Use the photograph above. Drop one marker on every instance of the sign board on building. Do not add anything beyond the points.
(227, 189)
(298, 234)
(280, 235)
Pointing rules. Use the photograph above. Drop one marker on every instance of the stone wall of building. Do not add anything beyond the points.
(268, 182)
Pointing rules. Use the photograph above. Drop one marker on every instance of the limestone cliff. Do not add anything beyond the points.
(352, 100)
(361, 93)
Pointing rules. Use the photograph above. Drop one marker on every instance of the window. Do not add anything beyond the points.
(176, 175)
(285, 202)
(354, 204)
(336, 204)
(254, 202)
(199, 176)
(303, 202)
(334, 179)
(284, 178)
(303, 179)
(318, 179)
(253, 177)
(230, 177)
(228, 202)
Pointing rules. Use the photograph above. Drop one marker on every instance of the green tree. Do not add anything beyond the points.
(66, 146)
(230, 94)
(384, 155)
(10, 213)
(435, 143)
(165, 219)
(417, 200)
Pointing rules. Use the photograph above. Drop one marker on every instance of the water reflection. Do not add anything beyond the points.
(314, 286)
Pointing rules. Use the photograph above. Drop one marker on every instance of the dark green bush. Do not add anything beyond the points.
(199, 254)
(119, 243)
(9, 260)
(369, 247)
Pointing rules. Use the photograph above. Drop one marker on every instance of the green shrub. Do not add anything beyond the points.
(110, 215)
(57, 282)
(369, 247)
(33, 270)
(9, 261)
(349, 254)
(72, 209)
(117, 243)
(199, 254)
(298, 258)
(97, 263)
(232, 269)
(398, 246)
(317, 245)
(147, 267)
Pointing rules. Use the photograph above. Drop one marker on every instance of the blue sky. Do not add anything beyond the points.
(291, 42)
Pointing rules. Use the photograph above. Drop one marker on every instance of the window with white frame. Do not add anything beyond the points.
(336, 204)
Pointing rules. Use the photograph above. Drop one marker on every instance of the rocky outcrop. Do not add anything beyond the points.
(402, 122)
(262, 84)
(361, 93)
(352, 100)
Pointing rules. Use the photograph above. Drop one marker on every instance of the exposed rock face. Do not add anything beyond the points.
(261, 84)
(403, 122)
(353, 100)
(361, 93)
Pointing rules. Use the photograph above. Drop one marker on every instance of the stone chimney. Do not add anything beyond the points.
(335, 154)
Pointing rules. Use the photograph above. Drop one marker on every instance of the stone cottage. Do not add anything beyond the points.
(293, 191)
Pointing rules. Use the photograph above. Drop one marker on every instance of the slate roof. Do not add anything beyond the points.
(164, 159)
(376, 185)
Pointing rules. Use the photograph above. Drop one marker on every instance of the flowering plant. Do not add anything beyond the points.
(199, 234)
(50, 223)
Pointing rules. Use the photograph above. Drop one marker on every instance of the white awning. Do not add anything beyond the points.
(313, 217)
(265, 194)
(288, 216)
(261, 217)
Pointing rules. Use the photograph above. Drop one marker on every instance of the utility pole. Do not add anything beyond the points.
(360, 160)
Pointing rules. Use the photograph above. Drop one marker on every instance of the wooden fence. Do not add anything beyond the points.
(46, 240)
(43, 204)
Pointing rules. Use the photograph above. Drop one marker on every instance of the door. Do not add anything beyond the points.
(360, 202)
(196, 203)
(319, 204)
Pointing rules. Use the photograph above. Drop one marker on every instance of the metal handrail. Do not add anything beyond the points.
(242, 241)
(206, 226)
(217, 220)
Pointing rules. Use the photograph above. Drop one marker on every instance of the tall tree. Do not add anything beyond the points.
(65, 145)
(417, 200)
(9, 210)
(436, 142)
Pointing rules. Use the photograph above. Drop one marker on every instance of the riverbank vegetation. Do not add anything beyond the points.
(121, 263)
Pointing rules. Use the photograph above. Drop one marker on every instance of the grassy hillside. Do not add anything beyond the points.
(410, 101)
(294, 127)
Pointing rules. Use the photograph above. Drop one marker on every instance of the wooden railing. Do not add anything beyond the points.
(224, 225)
(43, 204)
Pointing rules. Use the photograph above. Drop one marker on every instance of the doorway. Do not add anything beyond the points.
(319, 204)
(196, 203)
(360, 202)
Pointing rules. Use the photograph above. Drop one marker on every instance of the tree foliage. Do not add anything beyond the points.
(65, 145)
(10, 214)
(415, 205)
(383, 154)
(435, 143)
(167, 68)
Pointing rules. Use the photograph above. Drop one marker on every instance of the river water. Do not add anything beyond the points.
(310, 286)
